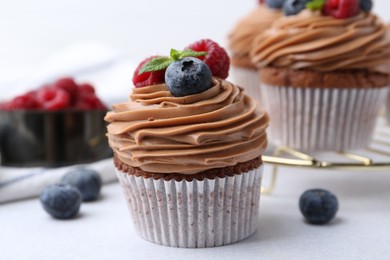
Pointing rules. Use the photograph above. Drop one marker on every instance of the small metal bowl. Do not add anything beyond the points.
(52, 139)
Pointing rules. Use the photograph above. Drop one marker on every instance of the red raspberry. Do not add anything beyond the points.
(88, 102)
(341, 9)
(100, 105)
(217, 58)
(26, 101)
(87, 98)
(148, 78)
(86, 88)
(63, 94)
(69, 85)
(8, 106)
(52, 98)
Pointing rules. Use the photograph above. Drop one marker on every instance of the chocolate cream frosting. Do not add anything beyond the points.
(240, 39)
(312, 41)
(160, 133)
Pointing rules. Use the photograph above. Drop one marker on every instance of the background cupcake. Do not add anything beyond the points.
(188, 152)
(324, 74)
(240, 39)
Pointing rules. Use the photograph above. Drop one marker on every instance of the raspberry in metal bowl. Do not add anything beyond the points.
(58, 124)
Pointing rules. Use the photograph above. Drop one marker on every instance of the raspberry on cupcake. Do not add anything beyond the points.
(188, 151)
(216, 58)
(323, 71)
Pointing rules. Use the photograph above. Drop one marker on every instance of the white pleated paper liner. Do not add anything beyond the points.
(321, 119)
(387, 108)
(247, 79)
(194, 214)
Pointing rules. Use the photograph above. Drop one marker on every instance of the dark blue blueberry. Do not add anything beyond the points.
(188, 76)
(318, 206)
(292, 7)
(366, 5)
(276, 4)
(87, 181)
(61, 201)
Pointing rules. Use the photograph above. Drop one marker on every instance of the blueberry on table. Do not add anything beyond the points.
(318, 206)
(61, 201)
(87, 181)
(188, 76)
(292, 7)
(275, 4)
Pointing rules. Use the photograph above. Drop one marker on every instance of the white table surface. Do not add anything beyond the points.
(104, 230)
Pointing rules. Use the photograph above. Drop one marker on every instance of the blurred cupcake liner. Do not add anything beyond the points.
(248, 79)
(194, 214)
(387, 109)
(322, 119)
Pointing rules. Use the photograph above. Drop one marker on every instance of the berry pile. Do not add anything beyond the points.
(153, 70)
(340, 9)
(64, 93)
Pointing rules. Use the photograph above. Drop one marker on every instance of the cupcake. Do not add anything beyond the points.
(188, 152)
(240, 39)
(323, 72)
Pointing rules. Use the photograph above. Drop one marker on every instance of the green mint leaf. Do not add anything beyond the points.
(163, 62)
(315, 5)
(191, 53)
(156, 64)
(177, 55)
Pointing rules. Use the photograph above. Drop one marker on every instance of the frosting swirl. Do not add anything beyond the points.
(312, 41)
(240, 39)
(160, 133)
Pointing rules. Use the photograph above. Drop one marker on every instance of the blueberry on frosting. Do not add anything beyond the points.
(365, 5)
(188, 76)
(275, 4)
(292, 7)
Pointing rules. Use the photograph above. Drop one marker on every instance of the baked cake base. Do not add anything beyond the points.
(209, 174)
(314, 79)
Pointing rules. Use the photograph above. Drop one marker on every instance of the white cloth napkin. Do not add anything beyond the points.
(23, 183)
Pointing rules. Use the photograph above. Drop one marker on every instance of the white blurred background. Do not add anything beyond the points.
(42, 39)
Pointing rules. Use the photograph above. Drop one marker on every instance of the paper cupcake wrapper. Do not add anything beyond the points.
(387, 109)
(194, 214)
(247, 79)
(317, 119)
